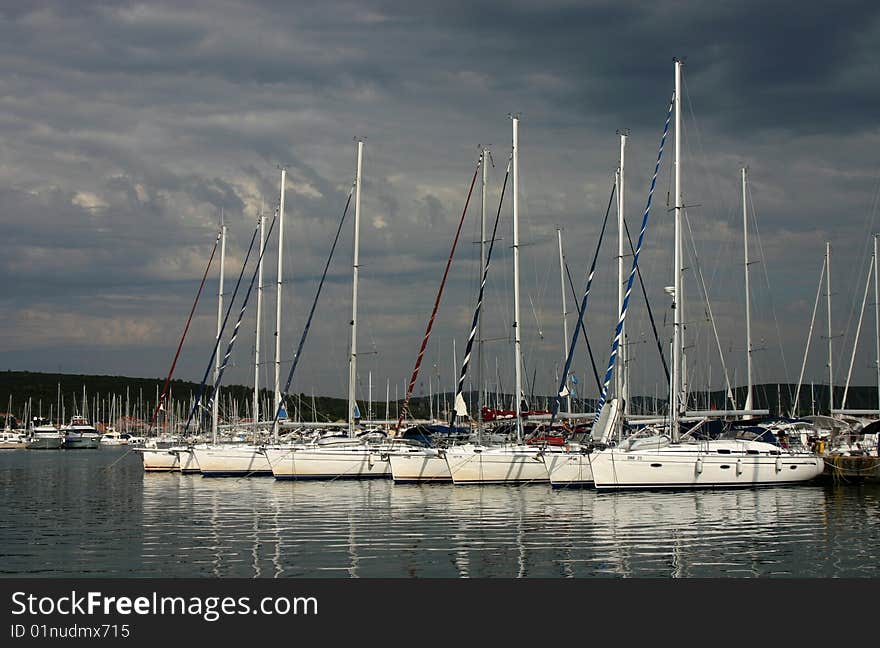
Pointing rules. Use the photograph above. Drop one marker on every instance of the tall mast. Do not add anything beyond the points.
(748, 404)
(215, 413)
(479, 374)
(675, 393)
(278, 279)
(564, 312)
(516, 334)
(352, 362)
(877, 320)
(828, 302)
(621, 387)
(256, 408)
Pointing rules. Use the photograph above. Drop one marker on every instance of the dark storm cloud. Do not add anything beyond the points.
(126, 128)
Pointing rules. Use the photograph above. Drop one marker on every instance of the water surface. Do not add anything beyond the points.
(94, 513)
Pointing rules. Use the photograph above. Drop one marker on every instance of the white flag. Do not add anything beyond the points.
(460, 406)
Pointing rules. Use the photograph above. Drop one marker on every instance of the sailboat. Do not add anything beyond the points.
(417, 463)
(509, 463)
(158, 457)
(670, 459)
(239, 460)
(336, 457)
(11, 438)
(571, 467)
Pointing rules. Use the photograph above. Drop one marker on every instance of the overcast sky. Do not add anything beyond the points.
(126, 128)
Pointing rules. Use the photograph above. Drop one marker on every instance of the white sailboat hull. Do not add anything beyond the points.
(358, 462)
(159, 460)
(232, 461)
(419, 465)
(514, 464)
(700, 465)
(186, 460)
(569, 468)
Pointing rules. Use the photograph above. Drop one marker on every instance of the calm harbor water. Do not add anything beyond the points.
(94, 513)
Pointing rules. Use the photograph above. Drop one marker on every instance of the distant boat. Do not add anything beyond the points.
(44, 435)
(113, 438)
(12, 440)
(10, 437)
(80, 435)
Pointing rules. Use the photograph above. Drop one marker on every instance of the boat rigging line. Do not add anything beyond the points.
(302, 340)
(234, 336)
(183, 336)
(459, 406)
(635, 264)
(198, 401)
(584, 328)
(648, 304)
(415, 374)
(562, 392)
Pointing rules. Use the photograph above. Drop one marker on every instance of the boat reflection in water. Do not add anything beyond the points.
(376, 529)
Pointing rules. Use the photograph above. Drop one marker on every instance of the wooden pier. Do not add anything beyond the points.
(852, 470)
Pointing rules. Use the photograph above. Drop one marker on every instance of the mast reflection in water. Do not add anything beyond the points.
(80, 515)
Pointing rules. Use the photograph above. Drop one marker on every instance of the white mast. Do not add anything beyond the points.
(256, 412)
(877, 320)
(215, 413)
(828, 302)
(479, 375)
(852, 358)
(516, 334)
(275, 425)
(621, 386)
(564, 314)
(675, 393)
(794, 409)
(748, 404)
(352, 362)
